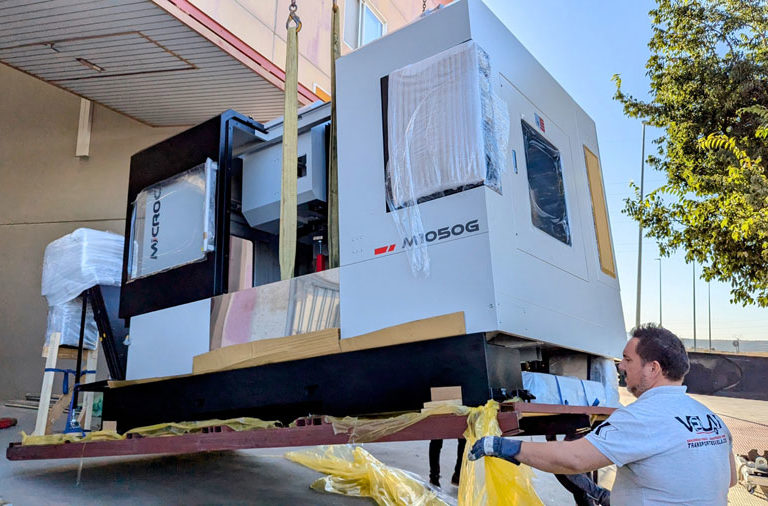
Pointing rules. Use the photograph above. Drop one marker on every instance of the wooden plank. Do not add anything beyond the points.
(445, 393)
(47, 388)
(268, 351)
(448, 325)
(83, 147)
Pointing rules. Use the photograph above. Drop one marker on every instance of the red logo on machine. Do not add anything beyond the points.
(384, 249)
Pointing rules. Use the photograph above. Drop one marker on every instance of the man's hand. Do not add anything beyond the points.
(494, 446)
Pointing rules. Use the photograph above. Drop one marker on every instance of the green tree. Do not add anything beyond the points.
(708, 73)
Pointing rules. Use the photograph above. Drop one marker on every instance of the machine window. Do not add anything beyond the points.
(546, 188)
(600, 213)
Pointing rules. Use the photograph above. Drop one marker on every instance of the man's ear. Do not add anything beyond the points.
(656, 368)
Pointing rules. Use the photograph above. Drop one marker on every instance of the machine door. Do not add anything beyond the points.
(547, 216)
(178, 216)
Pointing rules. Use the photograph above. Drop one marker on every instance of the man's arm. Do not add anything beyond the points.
(734, 476)
(559, 457)
(563, 457)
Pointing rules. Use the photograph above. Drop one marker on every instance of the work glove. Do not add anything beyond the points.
(495, 446)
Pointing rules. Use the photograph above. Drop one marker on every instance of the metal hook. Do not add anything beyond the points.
(292, 16)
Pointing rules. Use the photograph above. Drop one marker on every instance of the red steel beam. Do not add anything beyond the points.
(434, 427)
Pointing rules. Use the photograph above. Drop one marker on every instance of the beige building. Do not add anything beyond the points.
(148, 70)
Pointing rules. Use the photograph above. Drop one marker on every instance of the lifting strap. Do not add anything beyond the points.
(333, 160)
(288, 199)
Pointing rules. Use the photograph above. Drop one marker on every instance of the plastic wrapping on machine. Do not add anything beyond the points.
(446, 132)
(78, 261)
(173, 222)
(604, 370)
(564, 390)
(65, 318)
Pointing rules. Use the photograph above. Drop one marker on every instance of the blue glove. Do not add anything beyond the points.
(495, 446)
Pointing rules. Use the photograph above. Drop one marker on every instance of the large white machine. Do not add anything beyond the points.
(510, 227)
(469, 180)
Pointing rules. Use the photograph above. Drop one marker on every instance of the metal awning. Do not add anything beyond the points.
(162, 62)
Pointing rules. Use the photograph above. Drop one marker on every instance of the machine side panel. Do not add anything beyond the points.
(163, 342)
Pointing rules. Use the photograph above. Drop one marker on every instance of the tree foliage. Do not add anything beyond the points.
(708, 72)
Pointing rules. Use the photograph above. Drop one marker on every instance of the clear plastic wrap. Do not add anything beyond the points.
(564, 390)
(80, 260)
(174, 221)
(446, 132)
(604, 370)
(65, 318)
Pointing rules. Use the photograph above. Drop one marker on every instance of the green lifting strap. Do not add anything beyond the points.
(333, 160)
(288, 199)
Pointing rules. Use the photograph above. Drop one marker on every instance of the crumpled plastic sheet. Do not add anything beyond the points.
(365, 430)
(352, 471)
(158, 430)
(447, 131)
(492, 481)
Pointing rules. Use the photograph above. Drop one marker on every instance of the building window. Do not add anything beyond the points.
(545, 185)
(362, 24)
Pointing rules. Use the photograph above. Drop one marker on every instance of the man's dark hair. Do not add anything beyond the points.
(659, 344)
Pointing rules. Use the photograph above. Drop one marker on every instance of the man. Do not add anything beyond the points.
(668, 447)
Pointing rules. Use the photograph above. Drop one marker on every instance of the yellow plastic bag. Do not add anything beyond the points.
(491, 481)
(353, 471)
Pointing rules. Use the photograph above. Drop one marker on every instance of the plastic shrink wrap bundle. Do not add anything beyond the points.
(79, 261)
(65, 318)
(72, 264)
(447, 131)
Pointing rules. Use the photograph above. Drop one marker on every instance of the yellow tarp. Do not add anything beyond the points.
(353, 471)
(161, 429)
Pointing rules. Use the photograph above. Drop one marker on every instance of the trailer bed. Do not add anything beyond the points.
(515, 418)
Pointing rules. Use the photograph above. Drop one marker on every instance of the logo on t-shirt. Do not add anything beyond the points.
(694, 424)
(709, 432)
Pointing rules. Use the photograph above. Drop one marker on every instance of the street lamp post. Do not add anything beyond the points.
(694, 304)
(709, 313)
(660, 321)
(640, 235)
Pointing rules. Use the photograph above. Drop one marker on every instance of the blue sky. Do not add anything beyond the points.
(582, 44)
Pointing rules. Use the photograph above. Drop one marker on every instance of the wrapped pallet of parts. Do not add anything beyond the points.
(80, 260)
(65, 318)
(446, 132)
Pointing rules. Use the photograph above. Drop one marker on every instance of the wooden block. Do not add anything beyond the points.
(448, 325)
(268, 351)
(109, 425)
(445, 393)
(435, 404)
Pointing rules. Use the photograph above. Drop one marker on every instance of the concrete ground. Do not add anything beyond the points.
(266, 477)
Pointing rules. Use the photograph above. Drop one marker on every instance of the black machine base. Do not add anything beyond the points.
(380, 380)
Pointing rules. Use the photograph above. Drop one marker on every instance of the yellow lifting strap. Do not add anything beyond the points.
(333, 160)
(288, 199)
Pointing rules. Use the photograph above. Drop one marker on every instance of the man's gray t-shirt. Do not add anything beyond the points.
(669, 449)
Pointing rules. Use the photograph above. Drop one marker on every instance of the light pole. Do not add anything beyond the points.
(640, 235)
(694, 304)
(659, 259)
(709, 313)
